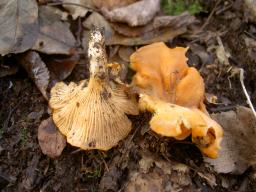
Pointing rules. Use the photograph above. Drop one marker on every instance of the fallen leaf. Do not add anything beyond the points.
(76, 10)
(51, 141)
(172, 22)
(55, 36)
(111, 4)
(200, 51)
(125, 53)
(19, 25)
(136, 14)
(126, 30)
(60, 65)
(97, 20)
(158, 175)
(8, 70)
(238, 147)
(164, 35)
(30, 175)
(36, 70)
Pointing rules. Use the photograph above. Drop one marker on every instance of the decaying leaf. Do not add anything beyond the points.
(62, 66)
(238, 148)
(37, 70)
(54, 34)
(164, 35)
(125, 53)
(75, 10)
(19, 25)
(172, 22)
(111, 4)
(136, 14)
(155, 174)
(51, 141)
(97, 20)
(8, 70)
(174, 93)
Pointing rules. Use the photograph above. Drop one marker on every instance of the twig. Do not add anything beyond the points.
(245, 91)
(210, 16)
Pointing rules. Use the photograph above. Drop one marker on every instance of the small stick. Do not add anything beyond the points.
(245, 91)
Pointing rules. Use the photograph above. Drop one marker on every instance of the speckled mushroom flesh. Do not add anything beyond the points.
(93, 116)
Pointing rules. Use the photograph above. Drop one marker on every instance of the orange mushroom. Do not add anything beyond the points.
(174, 92)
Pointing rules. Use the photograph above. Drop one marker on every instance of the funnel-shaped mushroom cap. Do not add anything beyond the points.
(92, 117)
(163, 73)
(170, 120)
(174, 93)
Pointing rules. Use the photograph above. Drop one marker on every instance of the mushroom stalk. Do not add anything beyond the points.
(97, 55)
(93, 116)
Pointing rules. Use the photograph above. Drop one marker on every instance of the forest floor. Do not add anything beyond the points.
(143, 161)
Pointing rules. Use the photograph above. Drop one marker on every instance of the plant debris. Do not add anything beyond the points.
(51, 141)
(19, 25)
(238, 147)
(37, 70)
(136, 14)
(54, 36)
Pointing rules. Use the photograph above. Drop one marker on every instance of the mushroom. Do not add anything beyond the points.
(93, 115)
(174, 93)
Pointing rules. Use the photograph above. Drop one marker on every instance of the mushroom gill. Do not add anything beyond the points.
(93, 116)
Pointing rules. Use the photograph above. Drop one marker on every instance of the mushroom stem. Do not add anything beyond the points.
(97, 54)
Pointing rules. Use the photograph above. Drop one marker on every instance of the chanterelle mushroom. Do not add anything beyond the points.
(93, 116)
(174, 93)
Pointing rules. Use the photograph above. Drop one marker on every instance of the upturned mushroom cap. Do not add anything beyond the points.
(174, 93)
(163, 73)
(172, 120)
(93, 116)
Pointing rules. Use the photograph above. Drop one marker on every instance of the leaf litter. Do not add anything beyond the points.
(53, 39)
(19, 25)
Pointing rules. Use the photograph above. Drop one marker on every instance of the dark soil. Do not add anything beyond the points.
(23, 167)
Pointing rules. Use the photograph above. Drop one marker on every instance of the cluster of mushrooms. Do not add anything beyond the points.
(92, 114)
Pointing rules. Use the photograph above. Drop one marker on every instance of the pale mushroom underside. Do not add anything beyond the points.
(92, 118)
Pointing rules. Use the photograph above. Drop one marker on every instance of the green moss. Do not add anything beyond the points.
(24, 136)
(176, 7)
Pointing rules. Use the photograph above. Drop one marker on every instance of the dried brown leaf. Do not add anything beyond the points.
(55, 36)
(136, 14)
(51, 141)
(19, 25)
(172, 22)
(62, 66)
(155, 174)
(76, 10)
(238, 150)
(111, 4)
(8, 70)
(97, 20)
(36, 69)
(159, 35)
(125, 53)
